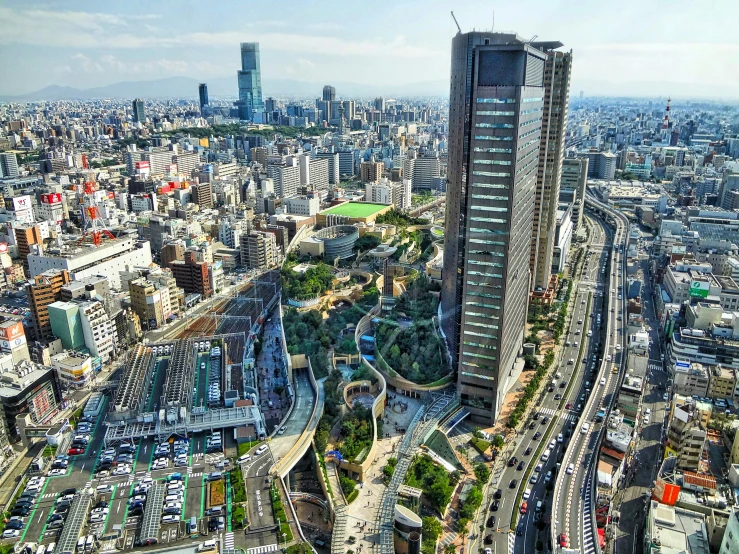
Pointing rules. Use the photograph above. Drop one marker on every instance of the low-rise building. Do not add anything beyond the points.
(686, 435)
(73, 369)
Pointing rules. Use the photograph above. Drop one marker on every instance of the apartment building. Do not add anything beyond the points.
(44, 290)
(259, 250)
(721, 382)
(99, 330)
(686, 436)
(191, 275)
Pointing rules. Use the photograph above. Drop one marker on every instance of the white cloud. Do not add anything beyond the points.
(93, 30)
(108, 64)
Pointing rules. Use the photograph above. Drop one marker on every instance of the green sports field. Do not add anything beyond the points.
(355, 209)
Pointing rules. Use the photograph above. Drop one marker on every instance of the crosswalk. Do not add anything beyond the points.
(228, 540)
(566, 415)
(511, 542)
(655, 367)
(262, 549)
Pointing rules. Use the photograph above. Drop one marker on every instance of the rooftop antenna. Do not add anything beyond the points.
(532, 39)
(459, 29)
(493, 29)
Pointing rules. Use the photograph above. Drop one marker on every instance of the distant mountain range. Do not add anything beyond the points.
(185, 87)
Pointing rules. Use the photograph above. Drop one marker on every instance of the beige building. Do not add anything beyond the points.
(150, 301)
(259, 250)
(721, 382)
(371, 171)
(692, 381)
(686, 436)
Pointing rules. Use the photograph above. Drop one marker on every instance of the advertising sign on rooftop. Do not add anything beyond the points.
(699, 289)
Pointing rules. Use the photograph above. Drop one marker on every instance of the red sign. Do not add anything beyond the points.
(142, 165)
(3, 247)
(52, 198)
(12, 331)
(111, 195)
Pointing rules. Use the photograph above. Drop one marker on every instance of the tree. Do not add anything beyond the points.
(431, 528)
(347, 485)
(482, 473)
(366, 242)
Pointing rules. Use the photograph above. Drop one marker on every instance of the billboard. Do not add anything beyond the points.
(699, 289)
(18, 203)
(3, 247)
(142, 165)
(666, 493)
(51, 198)
(7, 345)
(682, 364)
(12, 331)
(111, 195)
(204, 142)
(142, 221)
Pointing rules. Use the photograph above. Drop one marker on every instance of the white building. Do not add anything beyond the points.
(229, 232)
(303, 205)
(73, 368)
(286, 177)
(99, 331)
(108, 259)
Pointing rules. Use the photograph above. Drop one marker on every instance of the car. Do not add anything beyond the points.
(537, 436)
(646, 420)
(527, 451)
(562, 384)
(558, 396)
(498, 493)
(665, 396)
(214, 511)
(513, 484)
(57, 472)
(97, 518)
(560, 438)
(282, 430)
(491, 521)
(170, 518)
(11, 534)
(534, 478)
(536, 416)
(570, 469)
(495, 505)
(532, 425)
(544, 420)
(488, 539)
(568, 406)
(243, 459)
(15, 524)
(512, 462)
(524, 507)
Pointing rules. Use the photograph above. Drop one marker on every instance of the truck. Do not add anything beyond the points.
(600, 416)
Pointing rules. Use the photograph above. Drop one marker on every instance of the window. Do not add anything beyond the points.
(492, 162)
(494, 125)
(490, 185)
(490, 174)
(527, 100)
(488, 137)
(486, 197)
(489, 209)
(493, 150)
(497, 100)
(488, 220)
(489, 112)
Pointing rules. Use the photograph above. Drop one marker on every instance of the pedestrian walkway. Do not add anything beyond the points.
(228, 540)
(262, 549)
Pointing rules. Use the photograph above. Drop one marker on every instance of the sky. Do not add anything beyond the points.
(651, 48)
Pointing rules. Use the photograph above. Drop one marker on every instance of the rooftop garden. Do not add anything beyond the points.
(407, 340)
(313, 282)
(436, 482)
(400, 219)
(356, 434)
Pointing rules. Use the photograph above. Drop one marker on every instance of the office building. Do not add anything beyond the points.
(250, 82)
(139, 116)
(192, 275)
(44, 290)
(329, 93)
(202, 195)
(66, 324)
(601, 165)
(675, 530)
(150, 302)
(425, 172)
(308, 205)
(730, 542)
(496, 101)
(553, 125)
(8, 165)
(27, 389)
(99, 331)
(314, 174)
(371, 171)
(575, 178)
(203, 94)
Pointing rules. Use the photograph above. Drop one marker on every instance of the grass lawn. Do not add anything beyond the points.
(356, 209)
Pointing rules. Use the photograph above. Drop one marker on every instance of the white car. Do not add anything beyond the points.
(170, 519)
(282, 430)
(570, 469)
(11, 534)
(560, 438)
(57, 472)
(97, 518)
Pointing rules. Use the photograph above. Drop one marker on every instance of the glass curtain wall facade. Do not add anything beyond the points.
(495, 115)
(250, 81)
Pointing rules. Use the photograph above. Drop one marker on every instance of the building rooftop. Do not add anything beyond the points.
(355, 209)
(677, 531)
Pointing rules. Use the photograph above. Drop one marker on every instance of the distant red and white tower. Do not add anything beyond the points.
(95, 228)
(665, 131)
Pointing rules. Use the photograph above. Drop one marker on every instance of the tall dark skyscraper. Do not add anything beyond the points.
(139, 116)
(203, 93)
(495, 114)
(329, 93)
(250, 82)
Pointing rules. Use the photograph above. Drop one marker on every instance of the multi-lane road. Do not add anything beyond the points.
(572, 524)
(557, 413)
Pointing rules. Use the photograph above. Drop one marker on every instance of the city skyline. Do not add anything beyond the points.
(87, 45)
